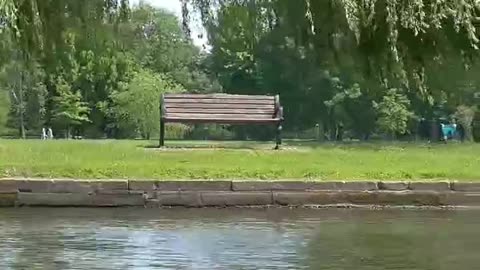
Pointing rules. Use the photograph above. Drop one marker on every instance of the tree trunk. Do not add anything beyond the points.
(69, 131)
(467, 124)
(21, 109)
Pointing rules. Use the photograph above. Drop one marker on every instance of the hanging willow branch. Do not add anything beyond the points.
(405, 33)
(38, 23)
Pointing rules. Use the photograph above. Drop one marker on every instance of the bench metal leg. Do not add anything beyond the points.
(278, 136)
(162, 133)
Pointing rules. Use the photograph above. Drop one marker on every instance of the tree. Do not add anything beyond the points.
(395, 38)
(138, 106)
(4, 109)
(38, 26)
(90, 49)
(27, 94)
(328, 60)
(393, 113)
(465, 116)
(68, 109)
(156, 40)
(295, 48)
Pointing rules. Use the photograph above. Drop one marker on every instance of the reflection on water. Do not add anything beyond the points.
(238, 239)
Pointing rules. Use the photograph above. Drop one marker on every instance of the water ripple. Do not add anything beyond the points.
(238, 239)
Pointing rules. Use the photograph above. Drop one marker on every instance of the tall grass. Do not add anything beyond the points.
(132, 159)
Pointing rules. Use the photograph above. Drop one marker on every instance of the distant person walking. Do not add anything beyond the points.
(44, 134)
(50, 133)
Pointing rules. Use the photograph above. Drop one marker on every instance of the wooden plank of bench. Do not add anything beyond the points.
(220, 116)
(268, 111)
(217, 96)
(222, 121)
(169, 106)
(220, 101)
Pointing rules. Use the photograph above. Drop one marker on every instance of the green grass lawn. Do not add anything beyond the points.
(234, 160)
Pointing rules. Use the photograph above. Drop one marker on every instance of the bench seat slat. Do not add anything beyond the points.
(269, 111)
(222, 121)
(219, 116)
(169, 106)
(216, 96)
(219, 101)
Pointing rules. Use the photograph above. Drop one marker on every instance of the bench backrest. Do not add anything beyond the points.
(220, 108)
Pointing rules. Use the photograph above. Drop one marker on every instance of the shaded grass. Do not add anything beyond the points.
(234, 160)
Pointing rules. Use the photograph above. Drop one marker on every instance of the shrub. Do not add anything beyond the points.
(176, 131)
(211, 132)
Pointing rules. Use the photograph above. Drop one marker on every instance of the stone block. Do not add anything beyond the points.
(64, 186)
(110, 186)
(8, 186)
(54, 199)
(144, 185)
(79, 199)
(231, 198)
(42, 186)
(71, 186)
(413, 198)
(115, 200)
(329, 185)
(358, 186)
(271, 185)
(179, 198)
(463, 199)
(361, 197)
(192, 185)
(466, 186)
(308, 198)
(393, 186)
(429, 186)
(8, 199)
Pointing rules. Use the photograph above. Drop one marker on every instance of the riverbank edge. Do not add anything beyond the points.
(18, 192)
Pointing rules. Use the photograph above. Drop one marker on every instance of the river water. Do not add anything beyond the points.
(132, 238)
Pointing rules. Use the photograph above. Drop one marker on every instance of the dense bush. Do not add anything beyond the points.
(176, 131)
(211, 132)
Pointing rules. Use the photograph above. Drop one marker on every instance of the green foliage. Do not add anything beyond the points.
(394, 35)
(211, 132)
(464, 115)
(328, 60)
(476, 126)
(393, 112)
(4, 109)
(177, 131)
(138, 105)
(39, 26)
(26, 95)
(68, 109)
(313, 53)
(158, 43)
(90, 57)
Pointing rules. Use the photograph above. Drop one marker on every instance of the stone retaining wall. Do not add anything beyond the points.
(114, 193)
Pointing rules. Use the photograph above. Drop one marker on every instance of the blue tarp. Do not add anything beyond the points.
(449, 130)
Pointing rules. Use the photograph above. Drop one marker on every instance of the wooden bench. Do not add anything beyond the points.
(222, 109)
